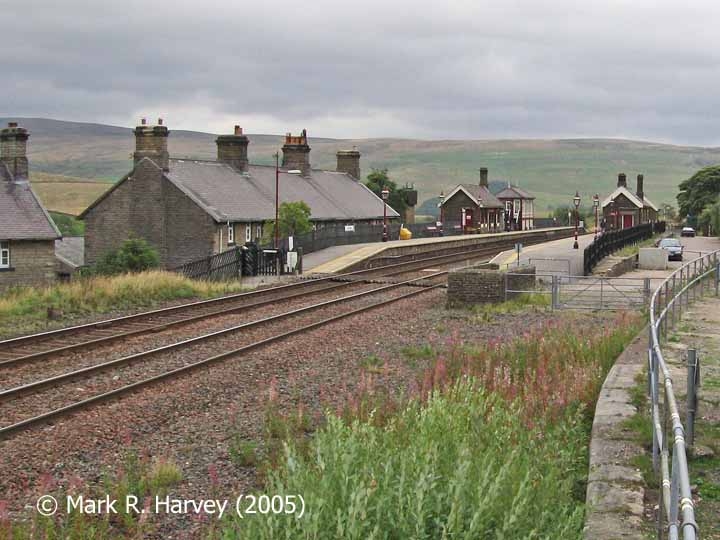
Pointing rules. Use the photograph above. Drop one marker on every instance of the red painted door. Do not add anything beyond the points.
(627, 221)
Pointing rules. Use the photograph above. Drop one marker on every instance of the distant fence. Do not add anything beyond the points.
(611, 241)
(360, 233)
(247, 260)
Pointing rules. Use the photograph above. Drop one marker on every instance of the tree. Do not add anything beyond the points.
(294, 220)
(377, 180)
(709, 218)
(699, 191)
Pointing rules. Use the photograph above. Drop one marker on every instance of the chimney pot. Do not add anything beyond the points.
(622, 180)
(238, 130)
(143, 121)
(159, 121)
(12, 124)
(296, 153)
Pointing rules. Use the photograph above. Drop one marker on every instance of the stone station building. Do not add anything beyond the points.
(27, 233)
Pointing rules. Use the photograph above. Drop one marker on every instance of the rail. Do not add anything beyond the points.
(666, 304)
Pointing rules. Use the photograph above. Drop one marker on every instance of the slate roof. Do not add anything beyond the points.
(622, 190)
(22, 217)
(477, 192)
(228, 195)
(513, 192)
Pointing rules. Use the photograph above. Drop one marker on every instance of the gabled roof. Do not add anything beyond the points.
(513, 192)
(649, 203)
(22, 216)
(476, 193)
(229, 195)
(622, 190)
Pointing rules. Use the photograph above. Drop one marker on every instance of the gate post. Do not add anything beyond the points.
(646, 289)
(693, 376)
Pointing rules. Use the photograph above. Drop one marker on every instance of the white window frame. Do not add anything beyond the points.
(5, 254)
(231, 233)
(258, 231)
(248, 232)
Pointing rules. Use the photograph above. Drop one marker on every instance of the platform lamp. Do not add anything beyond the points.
(596, 205)
(576, 201)
(442, 201)
(385, 194)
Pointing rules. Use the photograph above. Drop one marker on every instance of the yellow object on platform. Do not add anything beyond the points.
(405, 234)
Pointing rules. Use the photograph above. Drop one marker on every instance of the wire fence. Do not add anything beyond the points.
(696, 278)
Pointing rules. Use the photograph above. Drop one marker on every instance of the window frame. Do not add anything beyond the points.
(248, 232)
(5, 254)
(230, 233)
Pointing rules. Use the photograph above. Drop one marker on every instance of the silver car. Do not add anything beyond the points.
(673, 247)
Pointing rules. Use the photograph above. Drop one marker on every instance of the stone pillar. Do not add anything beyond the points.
(622, 180)
(296, 153)
(484, 176)
(232, 149)
(348, 161)
(13, 149)
(152, 142)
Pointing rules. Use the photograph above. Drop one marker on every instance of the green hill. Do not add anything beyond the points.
(551, 169)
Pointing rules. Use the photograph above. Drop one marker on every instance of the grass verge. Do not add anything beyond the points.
(27, 308)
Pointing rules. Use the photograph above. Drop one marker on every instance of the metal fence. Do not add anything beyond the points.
(247, 260)
(697, 277)
(587, 292)
(611, 241)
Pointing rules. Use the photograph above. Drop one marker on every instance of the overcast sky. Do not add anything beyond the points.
(643, 69)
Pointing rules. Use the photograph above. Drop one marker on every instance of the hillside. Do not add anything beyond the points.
(551, 169)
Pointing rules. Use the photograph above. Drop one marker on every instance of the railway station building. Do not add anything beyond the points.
(27, 232)
(188, 209)
(623, 208)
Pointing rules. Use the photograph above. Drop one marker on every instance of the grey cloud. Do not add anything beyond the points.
(646, 69)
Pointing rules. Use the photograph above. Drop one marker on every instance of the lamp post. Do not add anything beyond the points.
(441, 223)
(596, 204)
(385, 194)
(576, 200)
(612, 214)
(277, 199)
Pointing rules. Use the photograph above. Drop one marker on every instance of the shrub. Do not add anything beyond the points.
(135, 255)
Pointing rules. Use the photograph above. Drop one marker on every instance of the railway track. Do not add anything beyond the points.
(24, 406)
(37, 346)
(32, 402)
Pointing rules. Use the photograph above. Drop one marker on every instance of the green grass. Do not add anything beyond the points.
(463, 465)
(26, 308)
(68, 225)
(493, 444)
(634, 249)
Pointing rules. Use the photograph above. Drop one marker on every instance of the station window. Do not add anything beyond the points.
(231, 233)
(4, 254)
(248, 233)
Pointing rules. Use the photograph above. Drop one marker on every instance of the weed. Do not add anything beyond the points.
(371, 362)
(243, 453)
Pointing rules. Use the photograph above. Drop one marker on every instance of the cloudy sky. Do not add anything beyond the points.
(644, 69)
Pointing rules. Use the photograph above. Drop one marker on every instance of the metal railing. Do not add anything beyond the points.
(611, 241)
(666, 307)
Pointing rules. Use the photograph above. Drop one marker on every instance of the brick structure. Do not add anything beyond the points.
(296, 153)
(473, 207)
(485, 284)
(188, 209)
(27, 234)
(348, 161)
(623, 208)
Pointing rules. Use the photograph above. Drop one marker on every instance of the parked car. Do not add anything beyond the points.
(687, 231)
(673, 247)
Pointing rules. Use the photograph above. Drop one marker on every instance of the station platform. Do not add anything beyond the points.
(341, 258)
(554, 257)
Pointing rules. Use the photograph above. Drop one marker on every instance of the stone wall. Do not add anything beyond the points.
(150, 207)
(485, 284)
(31, 263)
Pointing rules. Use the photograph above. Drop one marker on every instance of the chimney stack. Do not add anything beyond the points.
(296, 153)
(484, 176)
(348, 161)
(152, 142)
(232, 149)
(622, 180)
(640, 192)
(13, 149)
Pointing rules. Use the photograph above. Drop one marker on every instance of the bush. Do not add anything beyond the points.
(135, 255)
